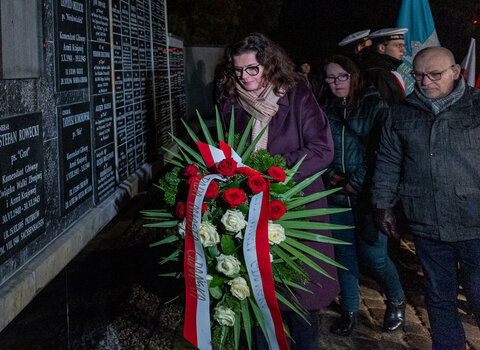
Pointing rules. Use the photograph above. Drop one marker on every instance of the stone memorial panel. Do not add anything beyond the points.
(71, 45)
(22, 198)
(75, 155)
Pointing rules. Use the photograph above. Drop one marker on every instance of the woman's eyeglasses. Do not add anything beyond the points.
(250, 70)
(341, 77)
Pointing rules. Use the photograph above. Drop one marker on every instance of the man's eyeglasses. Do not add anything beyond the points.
(433, 76)
(341, 77)
(250, 70)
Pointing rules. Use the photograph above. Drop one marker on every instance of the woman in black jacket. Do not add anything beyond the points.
(356, 113)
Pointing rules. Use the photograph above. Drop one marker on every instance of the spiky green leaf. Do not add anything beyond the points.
(313, 237)
(163, 224)
(188, 149)
(218, 121)
(289, 215)
(313, 252)
(306, 260)
(190, 131)
(169, 239)
(298, 187)
(231, 129)
(253, 144)
(172, 257)
(312, 225)
(311, 198)
(246, 133)
(205, 130)
(247, 326)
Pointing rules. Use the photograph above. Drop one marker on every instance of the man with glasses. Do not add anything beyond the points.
(429, 161)
(379, 64)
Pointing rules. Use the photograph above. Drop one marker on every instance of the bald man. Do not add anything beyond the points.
(429, 165)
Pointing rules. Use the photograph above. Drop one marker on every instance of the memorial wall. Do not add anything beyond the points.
(110, 90)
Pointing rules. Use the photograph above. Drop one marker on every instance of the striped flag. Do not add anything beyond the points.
(417, 17)
(468, 65)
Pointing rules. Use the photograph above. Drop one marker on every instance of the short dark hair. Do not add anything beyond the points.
(279, 70)
(357, 83)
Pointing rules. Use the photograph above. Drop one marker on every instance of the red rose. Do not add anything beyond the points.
(181, 210)
(204, 208)
(256, 183)
(234, 197)
(227, 166)
(191, 170)
(212, 190)
(246, 171)
(277, 174)
(277, 209)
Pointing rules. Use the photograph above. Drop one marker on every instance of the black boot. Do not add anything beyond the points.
(394, 315)
(345, 325)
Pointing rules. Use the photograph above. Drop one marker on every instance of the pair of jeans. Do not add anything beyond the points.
(374, 257)
(445, 266)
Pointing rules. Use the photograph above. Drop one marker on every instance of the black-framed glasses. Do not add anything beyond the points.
(250, 70)
(433, 76)
(341, 77)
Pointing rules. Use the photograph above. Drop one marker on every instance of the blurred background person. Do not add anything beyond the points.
(380, 62)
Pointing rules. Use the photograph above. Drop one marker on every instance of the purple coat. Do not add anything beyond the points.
(300, 127)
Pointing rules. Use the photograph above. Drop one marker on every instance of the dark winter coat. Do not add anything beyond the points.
(299, 128)
(432, 164)
(377, 69)
(356, 132)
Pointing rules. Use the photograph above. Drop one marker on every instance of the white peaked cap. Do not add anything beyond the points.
(357, 36)
(389, 33)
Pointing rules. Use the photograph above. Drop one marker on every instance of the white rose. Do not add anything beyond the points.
(181, 227)
(239, 235)
(224, 316)
(228, 264)
(208, 234)
(209, 277)
(271, 258)
(234, 220)
(276, 233)
(239, 288)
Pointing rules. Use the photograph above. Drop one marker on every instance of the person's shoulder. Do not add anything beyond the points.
(301, 87)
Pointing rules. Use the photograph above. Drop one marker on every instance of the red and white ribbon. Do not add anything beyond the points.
(256, 252)
(197, 305)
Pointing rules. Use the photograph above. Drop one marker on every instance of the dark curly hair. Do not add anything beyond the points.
(279, 70)
(357, 83)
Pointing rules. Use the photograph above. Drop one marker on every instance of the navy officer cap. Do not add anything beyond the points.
(388, 34)
(355, 37)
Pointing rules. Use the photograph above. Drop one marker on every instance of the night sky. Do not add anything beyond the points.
(312, 29)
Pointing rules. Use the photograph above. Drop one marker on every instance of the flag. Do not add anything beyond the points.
(417, 17)
(477, 85)
(468, 65)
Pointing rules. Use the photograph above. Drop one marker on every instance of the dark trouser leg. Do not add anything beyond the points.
(469, 253)
(439, 261)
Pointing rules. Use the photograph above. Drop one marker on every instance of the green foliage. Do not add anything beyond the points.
(169, 184)
(262, 161)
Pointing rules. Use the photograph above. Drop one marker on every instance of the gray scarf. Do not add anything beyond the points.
(439, 104)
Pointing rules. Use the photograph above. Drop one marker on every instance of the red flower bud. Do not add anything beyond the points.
(191, 170)
(277, 173)
(256, 183)
(227, 166)
(181, 210)
(277, 209)
(212, 190)
(234, 197)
